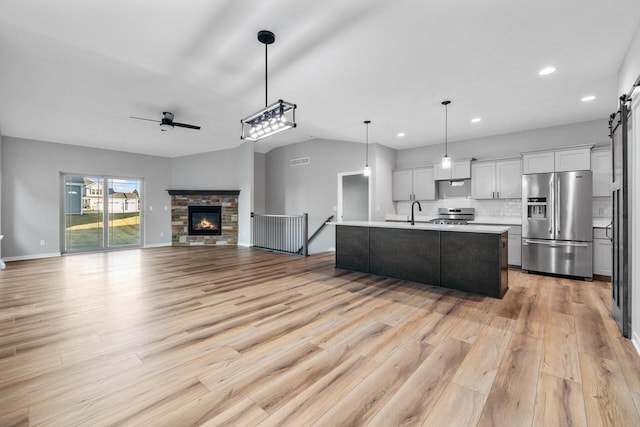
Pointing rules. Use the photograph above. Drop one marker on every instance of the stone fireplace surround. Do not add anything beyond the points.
(180, 202)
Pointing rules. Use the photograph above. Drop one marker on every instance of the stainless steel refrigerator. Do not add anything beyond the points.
(557, 224)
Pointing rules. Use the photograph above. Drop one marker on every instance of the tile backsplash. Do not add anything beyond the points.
(495, 208)
(506, 207)
(602, 207)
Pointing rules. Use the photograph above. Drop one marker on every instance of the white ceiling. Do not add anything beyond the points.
(73, 71)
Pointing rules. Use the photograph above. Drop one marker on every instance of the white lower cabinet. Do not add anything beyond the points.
(514, 255)
(601, 253)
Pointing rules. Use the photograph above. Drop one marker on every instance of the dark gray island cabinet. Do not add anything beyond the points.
(471, 258)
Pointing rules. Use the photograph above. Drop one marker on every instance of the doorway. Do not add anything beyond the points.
(621, 130)
(354, 196)
(101, 213)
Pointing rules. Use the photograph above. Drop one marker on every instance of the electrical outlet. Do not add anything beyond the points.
(166, 208)
(161, 234)
(41, 242)
(150, 208)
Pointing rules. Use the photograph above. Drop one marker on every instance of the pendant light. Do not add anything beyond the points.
(274, 118)
(367, 169)
(446, 160)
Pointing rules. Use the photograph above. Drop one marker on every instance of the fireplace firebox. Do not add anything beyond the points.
(205, 220)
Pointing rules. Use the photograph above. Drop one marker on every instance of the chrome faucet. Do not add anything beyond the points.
(413, 220)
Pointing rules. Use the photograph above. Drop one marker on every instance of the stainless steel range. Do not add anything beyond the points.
(454, 216)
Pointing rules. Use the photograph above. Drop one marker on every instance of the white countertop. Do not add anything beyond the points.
(497, 220)
(491, 229)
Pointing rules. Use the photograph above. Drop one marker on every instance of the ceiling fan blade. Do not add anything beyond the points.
(142, 118)
(184, 125)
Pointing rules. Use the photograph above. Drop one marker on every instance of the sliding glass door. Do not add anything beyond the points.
(101, 213)
(123, 212)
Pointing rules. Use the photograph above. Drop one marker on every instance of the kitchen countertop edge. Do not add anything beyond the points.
(471, 228)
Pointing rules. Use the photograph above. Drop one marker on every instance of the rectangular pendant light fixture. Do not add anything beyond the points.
(274, 118)
(271, 120)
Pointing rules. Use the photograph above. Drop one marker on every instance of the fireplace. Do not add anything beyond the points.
(225, 202)
(205, 220)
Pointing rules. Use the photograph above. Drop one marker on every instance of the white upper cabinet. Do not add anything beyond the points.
(402, 185)
(509, 179)
(561, 160)
(539, 162)
(424, 186)
(601, 167)
(578, 159)
(496, 180)
(460, 169)
(483, 180)
(416, 184)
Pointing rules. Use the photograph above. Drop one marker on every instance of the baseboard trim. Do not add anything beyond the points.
(158, 245)
(245, 245)
(34, 256)
(635, 340)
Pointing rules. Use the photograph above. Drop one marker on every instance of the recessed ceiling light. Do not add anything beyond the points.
(546, 70)
(588, 98)
(476, 120)
(401, 134)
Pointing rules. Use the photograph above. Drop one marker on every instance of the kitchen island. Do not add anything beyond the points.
(471, 258)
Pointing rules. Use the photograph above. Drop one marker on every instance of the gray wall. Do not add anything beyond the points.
(230, 169)
(510, 144)
(382, 168)
(355, 198)
(311, 188)
(630, 67)
(259, 184)
(31, 191)
(30, 170)
(245, 202)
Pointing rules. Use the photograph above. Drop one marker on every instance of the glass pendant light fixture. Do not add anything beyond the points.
(446, 160)
(367, 169)
(273, 118)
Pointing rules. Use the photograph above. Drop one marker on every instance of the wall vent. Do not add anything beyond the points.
(300, 162)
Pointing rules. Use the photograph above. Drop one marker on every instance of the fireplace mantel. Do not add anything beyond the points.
(204, 192)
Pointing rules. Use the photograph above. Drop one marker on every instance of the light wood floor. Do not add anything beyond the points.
(236, 336)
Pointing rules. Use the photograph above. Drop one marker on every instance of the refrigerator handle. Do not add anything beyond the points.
(552, 215)
(557, 210)
(556, 243)
(606, 231)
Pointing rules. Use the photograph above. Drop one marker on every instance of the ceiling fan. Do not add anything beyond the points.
(167, 122)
